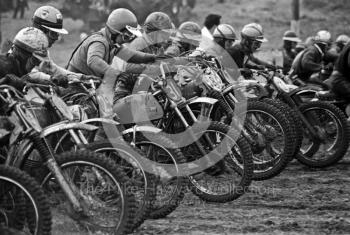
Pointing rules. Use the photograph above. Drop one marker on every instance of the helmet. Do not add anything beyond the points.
(32, 40)
(225, 31)
(291, 36)
(309, 41)
(49, 18)
(190, 26)
(120, 19)
(343, 39)
(158, 21)
(253, 31)
(323, 37)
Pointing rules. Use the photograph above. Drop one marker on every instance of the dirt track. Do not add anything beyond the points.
(300, 201)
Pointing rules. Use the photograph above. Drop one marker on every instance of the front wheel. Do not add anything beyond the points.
(22, 198)
(102, 188)
(331, 139)
(127, 158)
(229, 178)
(170, 186)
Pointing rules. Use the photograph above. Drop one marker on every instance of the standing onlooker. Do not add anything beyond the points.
(290, 41)
(210, 24)
(20, 6)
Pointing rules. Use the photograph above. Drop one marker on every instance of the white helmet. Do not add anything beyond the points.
(253, 31)
(34, 41)
(50, 18)
(323, 37)
(343, 39)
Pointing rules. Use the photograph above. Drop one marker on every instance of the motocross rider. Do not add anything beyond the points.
(252, 37)
(311, 60)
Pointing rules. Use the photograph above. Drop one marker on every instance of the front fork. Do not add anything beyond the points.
(46, 152)
(202, 116)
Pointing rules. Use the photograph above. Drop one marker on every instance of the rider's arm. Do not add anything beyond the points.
(133, 56)
(95, 58)
(49, 67)
(258, 62)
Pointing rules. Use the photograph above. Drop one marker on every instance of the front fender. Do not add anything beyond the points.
(66, 125)
(205, 100)
(101, 120)
(149, 129)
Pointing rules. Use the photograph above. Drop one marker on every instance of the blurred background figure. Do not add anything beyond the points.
(341, 41)
(290, 41)
(309, 41)
(20, 6)
(211, 22)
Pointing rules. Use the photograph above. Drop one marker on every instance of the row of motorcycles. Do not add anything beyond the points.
(192, 129)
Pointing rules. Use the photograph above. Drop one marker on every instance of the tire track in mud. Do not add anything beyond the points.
(301, 200)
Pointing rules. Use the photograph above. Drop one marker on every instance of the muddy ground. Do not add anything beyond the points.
(299, 201)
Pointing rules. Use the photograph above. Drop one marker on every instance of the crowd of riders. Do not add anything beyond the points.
(126, 48)
(122, 47)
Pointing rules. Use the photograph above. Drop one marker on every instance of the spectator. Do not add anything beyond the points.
(290, 41)
(20, 6)
(210, 24)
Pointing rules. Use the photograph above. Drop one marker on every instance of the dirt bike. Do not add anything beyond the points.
(23, 204)
(325, 133)
(74, 172)
(207, 139)
(267, 130)
(158, 148)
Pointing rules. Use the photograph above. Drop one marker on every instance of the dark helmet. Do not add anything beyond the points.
(291, 36)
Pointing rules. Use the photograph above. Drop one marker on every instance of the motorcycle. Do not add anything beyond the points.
(70, 173)
(269, 133)
(325, 133)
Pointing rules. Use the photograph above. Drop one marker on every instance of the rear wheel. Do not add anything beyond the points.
(332, 130)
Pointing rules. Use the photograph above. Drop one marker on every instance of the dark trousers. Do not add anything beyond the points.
(341, 86)
(19, 7)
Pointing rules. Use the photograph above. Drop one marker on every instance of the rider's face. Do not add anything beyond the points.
(255, 45)
(31, 63)
(229, 43)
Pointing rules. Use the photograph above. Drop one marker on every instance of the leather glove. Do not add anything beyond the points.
(60, 80)
(260, 67)
(246, 72)
(13, 80)
(271, 66)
